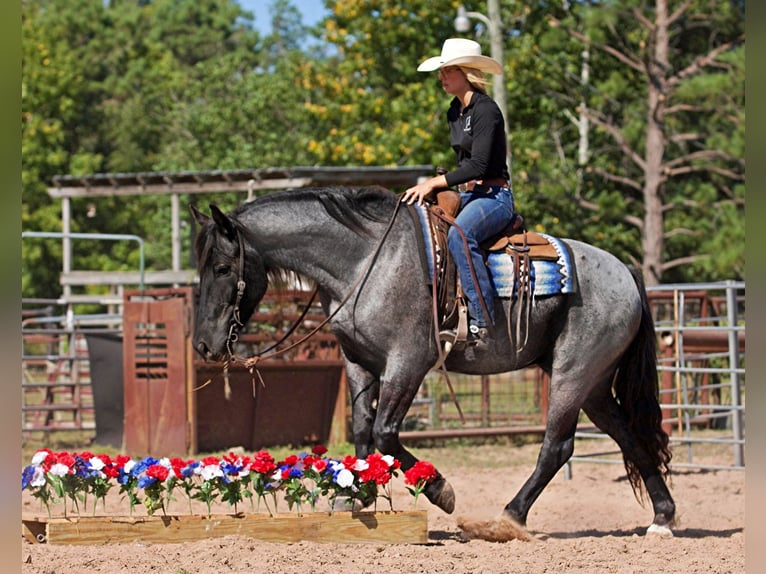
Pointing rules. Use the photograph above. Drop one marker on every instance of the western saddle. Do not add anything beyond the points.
(515, 239)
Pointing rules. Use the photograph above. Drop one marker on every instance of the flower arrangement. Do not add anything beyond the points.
(299, 479)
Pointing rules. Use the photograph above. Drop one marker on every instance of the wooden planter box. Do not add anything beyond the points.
(400, 527)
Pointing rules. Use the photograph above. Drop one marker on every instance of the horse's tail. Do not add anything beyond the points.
(637, 390)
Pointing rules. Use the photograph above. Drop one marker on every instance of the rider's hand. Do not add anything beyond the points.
(420, 191)
(417, 193)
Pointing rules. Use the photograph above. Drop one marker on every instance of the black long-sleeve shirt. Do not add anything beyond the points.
(477, 134)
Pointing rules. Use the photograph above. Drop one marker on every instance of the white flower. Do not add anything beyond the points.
(96, 463)
(388, 459)
(361, 465)
(39, 457)
(210, 472)
(38, 478)
(129, 466)
(59, 469)
(344, 478)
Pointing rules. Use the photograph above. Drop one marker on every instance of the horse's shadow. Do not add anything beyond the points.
(438, 537)
(640, 531)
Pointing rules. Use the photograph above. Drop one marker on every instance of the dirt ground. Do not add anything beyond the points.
(590, 523)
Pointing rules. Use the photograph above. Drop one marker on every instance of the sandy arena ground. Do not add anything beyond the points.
(591, 523)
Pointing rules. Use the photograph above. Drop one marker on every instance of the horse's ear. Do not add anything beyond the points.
(223, 222)
(198, 216)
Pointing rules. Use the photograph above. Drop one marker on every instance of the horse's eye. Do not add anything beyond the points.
(221, 270)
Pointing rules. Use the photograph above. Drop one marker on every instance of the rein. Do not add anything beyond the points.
(235, 323)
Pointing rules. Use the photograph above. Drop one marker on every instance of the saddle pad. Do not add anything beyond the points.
(546, 277)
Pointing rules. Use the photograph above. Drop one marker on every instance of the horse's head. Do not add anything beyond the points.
(232, 281)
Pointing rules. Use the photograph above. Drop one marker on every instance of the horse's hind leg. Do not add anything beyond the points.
(557, 447)
(604, 412)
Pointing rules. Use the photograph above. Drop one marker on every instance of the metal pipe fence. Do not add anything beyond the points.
(701, 367)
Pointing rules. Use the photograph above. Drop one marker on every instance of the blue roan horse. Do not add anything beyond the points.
(597, 344)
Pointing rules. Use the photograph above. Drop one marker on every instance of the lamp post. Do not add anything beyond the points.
(495, 27)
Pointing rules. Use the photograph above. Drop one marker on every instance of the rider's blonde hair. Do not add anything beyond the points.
(476, 78)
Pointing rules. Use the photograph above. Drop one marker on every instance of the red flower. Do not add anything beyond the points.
(157, 471)
(263, 462)
(105, 458)
(291, 460)
(120, 460)
(319, 465)
(210, 460)
(349, 461)
(420, 471)
(318, 450)
(377, 470)
(111, 471)
(65, 458)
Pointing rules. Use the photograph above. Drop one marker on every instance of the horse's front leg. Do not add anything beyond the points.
(363, 388)
(395, 400)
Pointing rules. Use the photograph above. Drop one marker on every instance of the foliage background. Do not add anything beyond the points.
(171, 85)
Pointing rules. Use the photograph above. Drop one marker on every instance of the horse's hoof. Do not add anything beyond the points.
(501, 529)
(659, 530)
(446, 498)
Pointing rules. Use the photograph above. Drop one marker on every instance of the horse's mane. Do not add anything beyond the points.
(353, 207)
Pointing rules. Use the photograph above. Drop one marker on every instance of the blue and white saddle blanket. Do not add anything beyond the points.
(546, 277)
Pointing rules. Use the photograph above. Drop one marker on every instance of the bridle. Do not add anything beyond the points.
(235, 322)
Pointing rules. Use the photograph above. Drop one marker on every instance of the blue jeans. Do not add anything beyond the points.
(481, 216)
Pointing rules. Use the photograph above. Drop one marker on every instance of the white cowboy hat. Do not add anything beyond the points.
(461, 52)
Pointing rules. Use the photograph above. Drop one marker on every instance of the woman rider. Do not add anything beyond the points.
(477, 134)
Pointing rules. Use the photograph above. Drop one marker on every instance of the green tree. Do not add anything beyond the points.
(667, 102)
(107, 88)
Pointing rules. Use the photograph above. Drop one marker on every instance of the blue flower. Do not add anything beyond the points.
(142, 465)
(188, 470)
(26, 476)
(229, 468)
(145, 481)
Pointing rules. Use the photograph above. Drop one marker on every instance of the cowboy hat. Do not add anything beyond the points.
(461, 52)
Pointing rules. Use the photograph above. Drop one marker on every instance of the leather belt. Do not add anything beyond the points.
(484, 185)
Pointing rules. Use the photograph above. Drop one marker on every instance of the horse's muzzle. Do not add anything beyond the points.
(207, 354)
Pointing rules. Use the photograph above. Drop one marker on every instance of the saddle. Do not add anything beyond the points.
(522, 245)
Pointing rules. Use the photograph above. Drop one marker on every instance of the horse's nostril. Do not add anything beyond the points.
(202, 349)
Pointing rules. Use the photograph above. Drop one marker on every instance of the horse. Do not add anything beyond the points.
(360, 247)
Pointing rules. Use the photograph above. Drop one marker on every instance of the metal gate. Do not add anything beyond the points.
(157, 371)
(177, 404)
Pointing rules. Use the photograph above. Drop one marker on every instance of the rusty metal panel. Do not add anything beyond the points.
(294, 405)
(156, 347)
